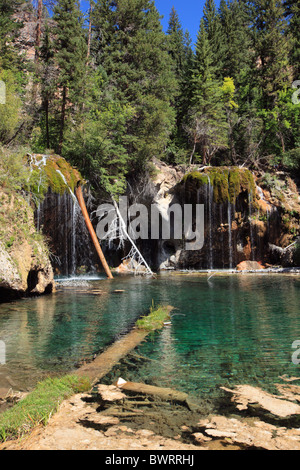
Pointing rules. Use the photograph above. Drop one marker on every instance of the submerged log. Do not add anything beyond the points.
(103, 363)
(166, 394)
(92, 232)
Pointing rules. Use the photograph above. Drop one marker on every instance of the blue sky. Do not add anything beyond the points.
(189, 11)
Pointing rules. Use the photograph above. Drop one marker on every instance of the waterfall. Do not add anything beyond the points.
(210, 221)
(251, 226)
(74, 224)
(60, 218)
(230, 248)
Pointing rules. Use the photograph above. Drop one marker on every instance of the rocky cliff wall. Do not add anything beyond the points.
(25, 267)
(247, 216)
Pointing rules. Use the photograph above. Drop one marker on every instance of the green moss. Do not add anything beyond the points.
(49, 176)
(227, 183)
(155, 320)
(234, 184)
(196, 177)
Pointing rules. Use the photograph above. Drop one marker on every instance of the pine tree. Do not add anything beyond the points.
(132, 49)
(212, 25)
(48, 79)
(180, 49)
(70, 56)
(236, 61)
(206, 124)
(9, 28)
(272, 49)
(273, 74)
(292, 8)
(176, 43)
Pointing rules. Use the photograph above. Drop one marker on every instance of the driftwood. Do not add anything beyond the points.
(165, 394)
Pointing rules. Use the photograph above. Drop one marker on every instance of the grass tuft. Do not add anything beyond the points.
(37, 407)
(155, 320)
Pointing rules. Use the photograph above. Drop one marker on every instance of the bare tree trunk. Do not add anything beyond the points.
(193, 152)
(90, 32)
(92, 232)
(62, 119)
(38, 30)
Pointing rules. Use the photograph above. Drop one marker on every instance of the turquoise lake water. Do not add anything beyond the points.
(232, 329)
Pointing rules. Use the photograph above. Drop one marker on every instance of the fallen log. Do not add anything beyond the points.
(165, 394)
(92, 232)
(103, 363)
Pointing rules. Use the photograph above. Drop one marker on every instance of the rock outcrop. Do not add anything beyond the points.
(248, 217)
(25, 267)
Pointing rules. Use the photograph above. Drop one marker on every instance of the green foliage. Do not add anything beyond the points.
(37, 407)
(14, 174)
(104, 140)
(133, 51)
(10, 111)
(297, 254)
(155, 320)
(138, 93)
(8, 31)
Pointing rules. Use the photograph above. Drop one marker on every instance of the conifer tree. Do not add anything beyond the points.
(212, 25)
(207, 125)
(132, 49)
(236, 40)
(9, 28)
(272, 47)
(70, 56)
(179, 47)
(292, 8)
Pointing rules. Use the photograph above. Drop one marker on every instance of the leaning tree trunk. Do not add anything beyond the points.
(92, 232)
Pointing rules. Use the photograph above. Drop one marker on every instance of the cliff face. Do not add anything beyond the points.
(247, 217)
(25, 267)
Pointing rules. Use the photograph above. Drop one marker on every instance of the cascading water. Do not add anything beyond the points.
(235, 222)
(230, 248)
(60, 218)
(210, 198)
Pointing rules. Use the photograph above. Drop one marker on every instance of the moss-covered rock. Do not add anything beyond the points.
(25, 268)
(227, 183)
(52, 171)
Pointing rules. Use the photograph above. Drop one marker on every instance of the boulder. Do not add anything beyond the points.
(249, 266)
